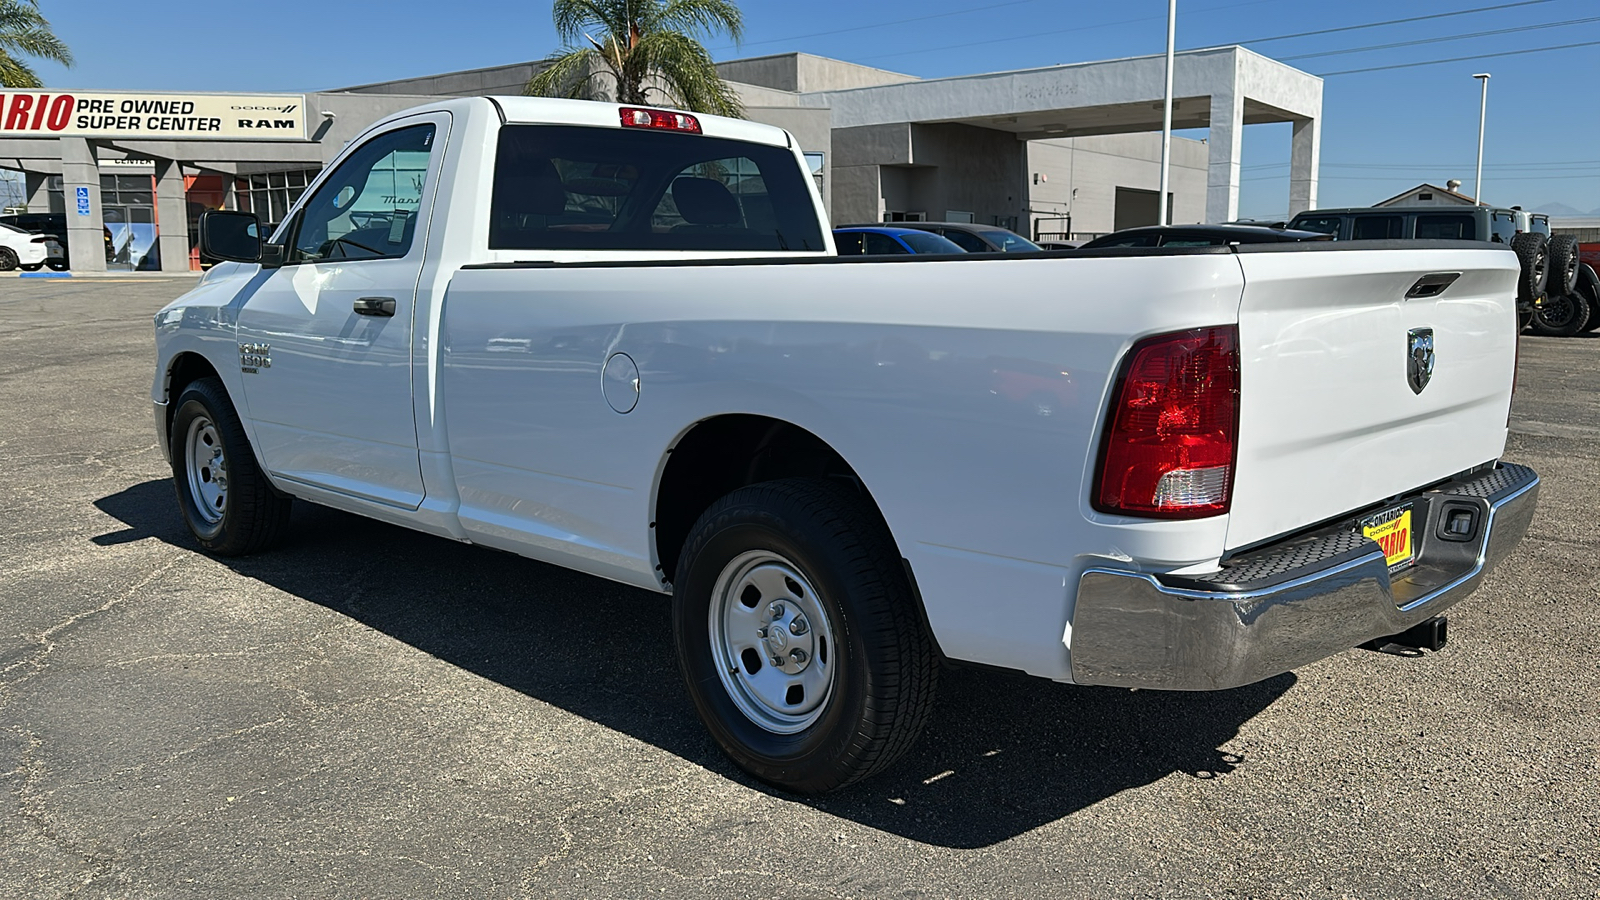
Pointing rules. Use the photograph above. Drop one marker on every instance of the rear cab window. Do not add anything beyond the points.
(1502, 227)
(560, 187)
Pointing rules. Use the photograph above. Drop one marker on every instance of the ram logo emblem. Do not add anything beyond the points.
(1419, 358)
(255, 357)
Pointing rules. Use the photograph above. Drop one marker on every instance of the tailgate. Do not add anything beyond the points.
(1329, 422)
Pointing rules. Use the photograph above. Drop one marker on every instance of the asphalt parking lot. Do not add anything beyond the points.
(369, 712)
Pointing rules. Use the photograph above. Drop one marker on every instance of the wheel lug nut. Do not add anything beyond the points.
(798, 626)
(798, 655)
(777, 662)
(776, 610)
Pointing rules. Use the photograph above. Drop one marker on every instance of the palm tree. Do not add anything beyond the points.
(24, 32)
(640, 47)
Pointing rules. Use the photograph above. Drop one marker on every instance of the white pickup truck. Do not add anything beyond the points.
(618, 340)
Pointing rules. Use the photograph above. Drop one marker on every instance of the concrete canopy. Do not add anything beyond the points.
(1222, 89)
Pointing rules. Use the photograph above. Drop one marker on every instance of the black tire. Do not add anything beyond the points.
(1589, 289)
(253, 514)
(1563, 251)
(884, 665)
(1533, 253)
(8, 259)
(1561, 315)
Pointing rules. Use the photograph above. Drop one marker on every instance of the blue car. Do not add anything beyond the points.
(887, 240)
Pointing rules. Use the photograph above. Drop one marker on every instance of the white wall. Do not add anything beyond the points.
(1095, 167)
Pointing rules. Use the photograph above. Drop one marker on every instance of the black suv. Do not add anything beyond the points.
(1387, 223)
(1550, 268)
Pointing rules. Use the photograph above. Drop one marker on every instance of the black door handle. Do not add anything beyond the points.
(375, 306)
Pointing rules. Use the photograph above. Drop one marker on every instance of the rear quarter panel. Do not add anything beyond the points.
(965, 393)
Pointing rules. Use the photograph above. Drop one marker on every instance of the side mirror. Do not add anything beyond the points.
(230, 235)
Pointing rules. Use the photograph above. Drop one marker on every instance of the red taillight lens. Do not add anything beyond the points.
(1170, 441)
(633, 117)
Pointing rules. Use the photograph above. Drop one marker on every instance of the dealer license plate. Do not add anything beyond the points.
(1391, 529)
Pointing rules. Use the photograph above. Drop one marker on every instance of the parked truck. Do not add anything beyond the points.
(619, 340)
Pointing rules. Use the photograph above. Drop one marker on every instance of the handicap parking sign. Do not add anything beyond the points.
(83, 201)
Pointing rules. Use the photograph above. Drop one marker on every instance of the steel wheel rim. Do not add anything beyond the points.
(763, 607)
(207, 469)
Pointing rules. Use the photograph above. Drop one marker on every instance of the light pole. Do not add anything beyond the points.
(1483, 109)
(1166, 115)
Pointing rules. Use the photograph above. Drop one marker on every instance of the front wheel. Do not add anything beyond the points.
(227, 502)
(798, 635)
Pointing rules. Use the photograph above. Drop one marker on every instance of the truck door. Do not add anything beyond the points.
(332, 404)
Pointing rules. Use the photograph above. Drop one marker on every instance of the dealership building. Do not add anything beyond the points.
(1053, 152)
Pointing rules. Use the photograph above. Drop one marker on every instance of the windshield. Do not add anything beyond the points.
(1009, 242)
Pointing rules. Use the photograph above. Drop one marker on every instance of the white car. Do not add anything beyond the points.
(619, 340)
(21, 250)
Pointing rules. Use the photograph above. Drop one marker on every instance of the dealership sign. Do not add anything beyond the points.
(108, 114)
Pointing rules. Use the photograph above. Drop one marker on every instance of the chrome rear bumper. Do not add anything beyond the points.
(1287, 606)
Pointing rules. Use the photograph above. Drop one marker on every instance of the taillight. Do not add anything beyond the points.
(633, 117)
(38, 240)
(1170, 442)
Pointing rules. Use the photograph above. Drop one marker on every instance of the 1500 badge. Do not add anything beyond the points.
(255, 357)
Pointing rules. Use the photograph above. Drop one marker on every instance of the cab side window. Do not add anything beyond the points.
(1320, 224)
(1447, 226)
(849, 243)
(966, 241)
(1375, 228)
(882, 244)
(367, 208)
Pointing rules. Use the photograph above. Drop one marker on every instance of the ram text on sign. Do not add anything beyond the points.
(164, 117)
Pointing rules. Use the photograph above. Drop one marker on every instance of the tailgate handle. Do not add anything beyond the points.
(1432, 285)
(375, 306)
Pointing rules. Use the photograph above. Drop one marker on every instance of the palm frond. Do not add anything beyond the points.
(571, 16)
(15, 73)
(569, 72)
(24, 31)
(689, 74)
(707, 17)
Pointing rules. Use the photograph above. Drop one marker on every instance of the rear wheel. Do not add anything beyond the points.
(1563, 264)
(8, 259)
(226, 501)
(1561, 315)
(1533, 253)
(798, 635)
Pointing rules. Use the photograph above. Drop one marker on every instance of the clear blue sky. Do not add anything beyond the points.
(1383, 131)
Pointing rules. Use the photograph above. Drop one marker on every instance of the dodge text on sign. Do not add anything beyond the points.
(103, 114)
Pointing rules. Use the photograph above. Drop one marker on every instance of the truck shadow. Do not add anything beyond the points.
(1003, 754)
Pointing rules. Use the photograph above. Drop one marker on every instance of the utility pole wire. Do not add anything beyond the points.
(1441, 39)
(1435, 62)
